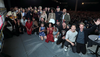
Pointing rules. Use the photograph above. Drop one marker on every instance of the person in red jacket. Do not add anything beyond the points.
(28, 26)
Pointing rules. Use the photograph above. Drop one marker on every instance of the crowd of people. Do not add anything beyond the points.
(54, 25)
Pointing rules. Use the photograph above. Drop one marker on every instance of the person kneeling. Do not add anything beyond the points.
(70, 38)
(41, 32)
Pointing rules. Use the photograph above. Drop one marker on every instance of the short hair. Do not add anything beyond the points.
(73, 25)
(81, 23)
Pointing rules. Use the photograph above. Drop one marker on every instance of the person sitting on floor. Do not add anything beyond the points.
(41, 32)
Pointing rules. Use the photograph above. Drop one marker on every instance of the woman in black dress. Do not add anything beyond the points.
(19, 14)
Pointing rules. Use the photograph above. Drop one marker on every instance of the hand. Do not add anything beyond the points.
(97, 22)
(67, 26)
(72, 44)
(55, 36)
(50, 28)
(63, 37)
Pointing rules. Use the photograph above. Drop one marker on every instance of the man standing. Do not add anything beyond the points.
(82, 36)
(63, 31)
(70, 38)
(65, 16)
(58, 14)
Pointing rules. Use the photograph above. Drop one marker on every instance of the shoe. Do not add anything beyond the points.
(62, 46)
(66, 49)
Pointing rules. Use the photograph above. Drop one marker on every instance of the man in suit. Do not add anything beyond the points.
(65, 16)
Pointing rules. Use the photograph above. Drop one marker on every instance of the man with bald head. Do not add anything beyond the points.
(65, 16)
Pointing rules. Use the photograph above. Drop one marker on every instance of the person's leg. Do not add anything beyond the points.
(63, 41)
(73, 48)
(66, 45)
(45, 37)
(83, 49)
(78, 48)
(58, 41)
(41, 37)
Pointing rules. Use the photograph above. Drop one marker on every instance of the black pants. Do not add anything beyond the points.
(73, 47)
(60, 40)
(35, 30)
(81, 48)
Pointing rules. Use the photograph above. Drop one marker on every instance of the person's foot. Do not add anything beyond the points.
(65, 48)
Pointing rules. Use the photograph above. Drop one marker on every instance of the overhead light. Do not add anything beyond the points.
(82, 3)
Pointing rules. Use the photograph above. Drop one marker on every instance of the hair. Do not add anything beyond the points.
(53, 10)
(82, 23)
(73, 25)
(51, 25)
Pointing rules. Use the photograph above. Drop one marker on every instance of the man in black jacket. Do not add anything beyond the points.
(82, 36)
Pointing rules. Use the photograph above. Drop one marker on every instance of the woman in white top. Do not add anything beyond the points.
(44, 15)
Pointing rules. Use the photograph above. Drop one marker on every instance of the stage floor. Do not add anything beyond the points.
(31, 46)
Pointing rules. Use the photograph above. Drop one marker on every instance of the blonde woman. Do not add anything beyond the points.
(44, 15)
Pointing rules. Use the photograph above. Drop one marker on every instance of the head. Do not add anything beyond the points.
(40, 7)
(35, 11)
(43, 12)
(64, 24)
(28, 8)
(18, 20)
(64, 10)
(42, 24)
(81, 25)
(58, 9)
(33, 19)
(18, 10)
(46, 8)
(42, 19)
(35, 8)
(28, 20)
(73, 28)
(24, 17)
(23, 10)
(50, 24)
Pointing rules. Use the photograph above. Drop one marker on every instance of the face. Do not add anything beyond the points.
(58, 9)
(63, 24)
(18, 21)
(48, 9)
(42, 25)
(33, 19)
(43, 11)
(28, 20)
(42, 19)
(64, 10)
(50, 25)
(23, 10)
(73, 28)
(28, 8)
(52, 11)
(23, 17)
(45, 8)
(18, 10)
(81, 26)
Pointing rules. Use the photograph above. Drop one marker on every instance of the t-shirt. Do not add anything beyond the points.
(80, 38)
(63, 31)
(23, 22)
(71, 35)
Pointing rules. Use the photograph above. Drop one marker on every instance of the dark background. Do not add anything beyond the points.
(51, 3)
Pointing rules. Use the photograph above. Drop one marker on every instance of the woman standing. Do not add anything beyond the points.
(29, 27)
(44, 15)
(51, 15)
(50, 33)
(19, 14)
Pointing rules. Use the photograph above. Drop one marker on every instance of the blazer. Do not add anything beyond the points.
(51, 16)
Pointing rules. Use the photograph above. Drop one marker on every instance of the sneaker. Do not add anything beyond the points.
(65, 49)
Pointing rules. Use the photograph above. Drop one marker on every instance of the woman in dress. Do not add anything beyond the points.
(42, 32)
(50, 33)
(28, 26)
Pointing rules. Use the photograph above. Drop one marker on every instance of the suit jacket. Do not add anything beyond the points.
(67, 17)
(51, 16)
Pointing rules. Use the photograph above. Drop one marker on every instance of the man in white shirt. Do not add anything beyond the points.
(70, 38)
(23, 21)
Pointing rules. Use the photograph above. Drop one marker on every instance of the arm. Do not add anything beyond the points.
(40, 29)
(47, 30)
(46, 17)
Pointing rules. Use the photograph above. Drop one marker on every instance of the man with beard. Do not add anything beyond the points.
(62, 31)
(65, 16)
